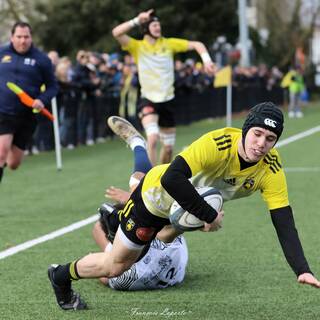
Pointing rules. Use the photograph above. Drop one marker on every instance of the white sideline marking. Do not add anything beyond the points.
(298, 136)
(302, 169)
(82, 223)
(46, 237)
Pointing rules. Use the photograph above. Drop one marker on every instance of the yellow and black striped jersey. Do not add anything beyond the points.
(156, 65)
(214, 161)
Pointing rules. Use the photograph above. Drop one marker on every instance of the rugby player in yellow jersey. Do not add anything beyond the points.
(237, 162)
(154, 58)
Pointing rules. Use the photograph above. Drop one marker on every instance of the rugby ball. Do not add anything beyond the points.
(184, 221)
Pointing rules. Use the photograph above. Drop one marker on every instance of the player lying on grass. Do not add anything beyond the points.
(160, 264)
(236, 162)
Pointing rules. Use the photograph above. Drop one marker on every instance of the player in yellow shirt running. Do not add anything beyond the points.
(237, 162)
(154, 56)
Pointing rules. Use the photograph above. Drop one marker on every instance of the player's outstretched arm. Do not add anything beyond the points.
(308, 278)
(283, 222)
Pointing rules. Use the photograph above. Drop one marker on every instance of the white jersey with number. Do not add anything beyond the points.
(164, 265)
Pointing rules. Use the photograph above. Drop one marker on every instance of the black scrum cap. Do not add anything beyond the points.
(265, 115)
(145, 26)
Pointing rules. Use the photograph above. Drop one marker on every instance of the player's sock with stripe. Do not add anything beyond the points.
(64, 273)
(1, 173)
(141, 160)
(136, 141)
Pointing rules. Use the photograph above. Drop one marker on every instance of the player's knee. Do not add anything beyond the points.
(168, 140)
(152, 132)
(118, 269)
(152, 141)
(135, 179)
(167, 149)
(113, 266)
(13, 165)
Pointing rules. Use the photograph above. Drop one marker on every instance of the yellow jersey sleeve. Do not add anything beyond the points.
(274, 185)
(132, 47)
(201, 154)
(178, 45)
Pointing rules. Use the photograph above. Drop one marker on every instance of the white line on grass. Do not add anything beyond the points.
(46, 237)
(298, 136)
(302, 169)
(82, 223)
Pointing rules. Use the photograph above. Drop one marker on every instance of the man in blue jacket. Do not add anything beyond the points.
(29, 68)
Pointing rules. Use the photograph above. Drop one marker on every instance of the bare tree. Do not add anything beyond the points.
(290, 27)
(16, 10)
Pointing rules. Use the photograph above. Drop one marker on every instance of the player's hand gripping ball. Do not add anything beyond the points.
(184, 221)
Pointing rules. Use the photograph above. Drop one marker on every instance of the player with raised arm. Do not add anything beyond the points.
(154, 56)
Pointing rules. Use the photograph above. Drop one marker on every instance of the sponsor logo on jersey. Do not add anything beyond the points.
(145, 234)
(165, 261)
(231, 181)
(270, 122)
(29, 61)
(6, 59)
(248, 184)
(130, 224)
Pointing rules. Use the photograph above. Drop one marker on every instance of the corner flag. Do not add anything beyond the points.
(223, 77)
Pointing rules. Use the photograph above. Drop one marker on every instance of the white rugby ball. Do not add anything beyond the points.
(184, 221)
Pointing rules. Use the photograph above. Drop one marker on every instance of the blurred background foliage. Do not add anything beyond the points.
(70, 25)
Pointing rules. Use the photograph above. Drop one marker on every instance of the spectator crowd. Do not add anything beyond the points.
(98, 85)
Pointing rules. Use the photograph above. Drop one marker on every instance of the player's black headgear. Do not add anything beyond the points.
(265, 115)
(145, 26)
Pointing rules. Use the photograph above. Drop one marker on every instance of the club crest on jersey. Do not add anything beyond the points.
(270, 122)
(248, 184)
(6, 59)
(130, 224)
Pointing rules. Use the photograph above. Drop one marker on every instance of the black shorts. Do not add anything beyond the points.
(22, 128)
(165, 111)
(111, 223)
(137, 223)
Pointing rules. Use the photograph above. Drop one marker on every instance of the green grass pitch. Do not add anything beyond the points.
(237, 273)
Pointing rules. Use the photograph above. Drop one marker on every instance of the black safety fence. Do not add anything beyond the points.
(211, 103)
